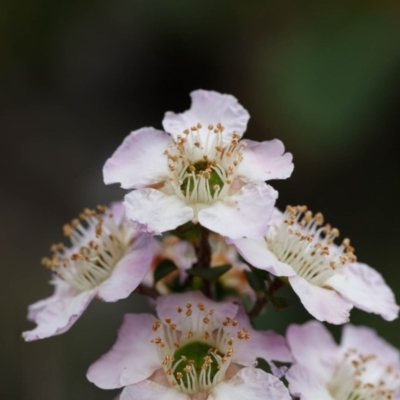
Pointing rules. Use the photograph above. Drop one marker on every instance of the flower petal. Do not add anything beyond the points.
(366, 289)
(207, 108)
(119, 367)
(245, 213)
(255, 251)
(250, 384)
(305, 385)
(154, 212)
(264, 161)
(130, 270)
(366, 341)
(139, 161)
(313, 346)
(56, 314)
(148, 390)
(322, 303)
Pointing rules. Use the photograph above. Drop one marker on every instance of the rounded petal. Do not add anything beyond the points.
(304, 385)
(250, 384)
(313, 347)
(133, 357)
(57, 314)
(366, 341)
(207, 108)
(366, 289)
(256, 252)
(245, 213)
(324, 304)
(139, 161)
(154, 212)
(166, 307)
(264, 161)
(130, 270)
(148, 390)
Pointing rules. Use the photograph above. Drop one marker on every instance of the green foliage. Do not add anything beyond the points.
(164, 268)
(210, 274)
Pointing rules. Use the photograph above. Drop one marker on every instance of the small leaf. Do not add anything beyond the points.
(210, 274)
(257, 283)
(280, 303)
(164, 268)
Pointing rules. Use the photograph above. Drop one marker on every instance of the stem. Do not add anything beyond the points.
(260, 303)
(147, 291)
(204, 258)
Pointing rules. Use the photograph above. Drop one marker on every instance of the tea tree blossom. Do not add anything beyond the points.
(198, 349)
(107, 259)
(362, 367)
(200, 170)
(325, 276)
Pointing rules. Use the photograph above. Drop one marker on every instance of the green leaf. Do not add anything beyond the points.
(279, 303)
(210, 274)
(164, 268)
(257, 283)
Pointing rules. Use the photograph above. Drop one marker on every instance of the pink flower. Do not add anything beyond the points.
(107, 259)
(325, 276)
(363, 367)
(197, 350)
(200, 171)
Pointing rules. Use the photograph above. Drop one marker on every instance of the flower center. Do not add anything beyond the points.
(303, 242)
(98, 243)
(360, 377)
(202, 167)
(196, 351)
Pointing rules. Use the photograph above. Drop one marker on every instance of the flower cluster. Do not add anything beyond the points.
(199, 233)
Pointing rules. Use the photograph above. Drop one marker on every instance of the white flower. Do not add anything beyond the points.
(200, 171)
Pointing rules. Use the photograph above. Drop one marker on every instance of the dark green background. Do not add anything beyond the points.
(77, 76)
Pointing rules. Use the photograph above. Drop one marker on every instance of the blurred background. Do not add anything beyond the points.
(76, 77)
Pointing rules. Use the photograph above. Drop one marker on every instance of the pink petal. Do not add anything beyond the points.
(166, 307)
(207, 108)
(148, 390)
(56, 314)
(154, 212)
(305, 385)
(313, 346)
(366, 341)
(139, 161)
(256, 252)
(133, 357)
(130, 270)
(366, 289)
(322, 303)
(250, 384)
(245, 213)
(264, 161)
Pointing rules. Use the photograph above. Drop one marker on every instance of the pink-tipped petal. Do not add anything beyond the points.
(256, 252)
(324, 304)
(366, 341)
(148, 390)
(305, 385)
(57, 314)
(130, 270)
(312, 345)
(209, 108)
(140, 160)
(119, 367)
(250, 384)
(154, 212)
(245, 213)
(264, 161)
(366, 289)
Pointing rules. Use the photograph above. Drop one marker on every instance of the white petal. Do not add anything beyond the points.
(322, 303)
(264, 161)
(245, 213)
(139, 161)
(256, 252)
(313, 347)
(250, 384)
(148, 390)
(132, 358)
(154, 212)
(366, 289)
(207, 108)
